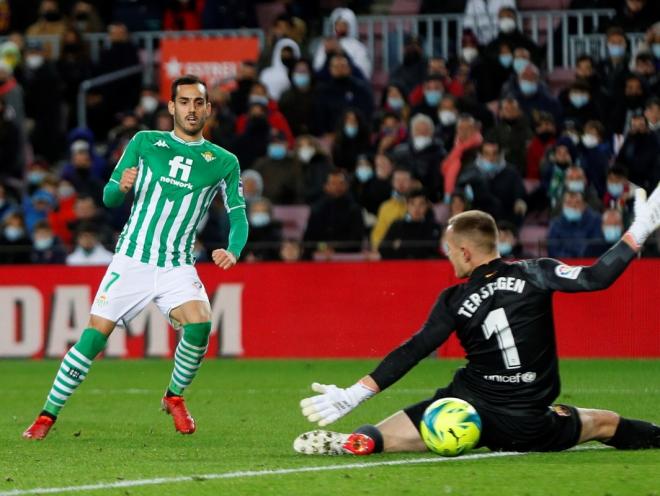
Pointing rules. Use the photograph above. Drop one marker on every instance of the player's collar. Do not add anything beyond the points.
(191, 143)
(485, 269)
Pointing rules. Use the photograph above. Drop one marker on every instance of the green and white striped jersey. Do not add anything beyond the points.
(176, 182)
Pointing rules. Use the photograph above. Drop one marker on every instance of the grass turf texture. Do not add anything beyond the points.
(247, 414)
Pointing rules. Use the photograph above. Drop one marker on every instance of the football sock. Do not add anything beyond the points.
(635, 434)
(73, 369)
(373, 432)
(188, 356)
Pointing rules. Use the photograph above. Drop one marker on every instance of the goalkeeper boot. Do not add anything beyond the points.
(176, 407)
(39, 428)
(321, 443)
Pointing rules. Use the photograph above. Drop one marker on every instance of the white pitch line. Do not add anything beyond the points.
(261, 473)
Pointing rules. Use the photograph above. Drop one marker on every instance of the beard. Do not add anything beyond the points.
(190, 128)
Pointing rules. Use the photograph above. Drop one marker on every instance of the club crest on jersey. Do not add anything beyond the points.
(568, 272)
(161, 144)
(208, 156)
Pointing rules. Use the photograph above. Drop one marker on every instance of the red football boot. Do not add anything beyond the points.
(176, 406)
(359, 444)
(39, 428)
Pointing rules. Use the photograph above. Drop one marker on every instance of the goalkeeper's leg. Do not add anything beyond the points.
(619, 432)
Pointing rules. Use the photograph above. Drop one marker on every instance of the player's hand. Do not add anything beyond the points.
(128, 179)
(223, 258)
(333, 402)
(647, 215)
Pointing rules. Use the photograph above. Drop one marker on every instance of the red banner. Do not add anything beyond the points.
(314, 310)
(215, 60)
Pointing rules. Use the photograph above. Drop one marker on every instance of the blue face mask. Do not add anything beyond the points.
(350, 130)
(276, 151)
(504, 248)
(572, 214)
(615, 189)
(578, 100)
(12, 233)
(656, 50)
(519, 64)
(528, 87)
(42, 244)
(395, 103)
(506, 59)
(260, 99)
(612, 233)
(35, 177)
(432, 97)
(301, 79)
(575, 186)
(259, 219)
(486, 166)
(364, 173)
(616, 50)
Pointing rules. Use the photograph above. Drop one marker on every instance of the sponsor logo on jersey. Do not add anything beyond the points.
(208, 156)
(568, 272)
(161, 143)
(520, 377)
(178, 165)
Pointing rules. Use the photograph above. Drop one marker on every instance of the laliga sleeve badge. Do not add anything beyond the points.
(568, 272)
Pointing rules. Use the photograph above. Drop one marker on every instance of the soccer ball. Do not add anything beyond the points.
(450, 427)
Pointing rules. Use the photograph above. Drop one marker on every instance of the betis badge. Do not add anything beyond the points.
(208, 156)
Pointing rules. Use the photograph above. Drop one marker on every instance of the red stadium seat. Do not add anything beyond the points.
(293, 219)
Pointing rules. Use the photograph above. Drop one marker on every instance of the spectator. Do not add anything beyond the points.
(50, 22)
(521, 59)
(290, 250)
(335, 222)
(447, 117)
(497, 187)
(457, 203)
(344, 41)
(464, 150)
(6, 202)
(333, 97)
(88, 213)
(9, 146)
(220, 127)
(482, 18)
(82, 136)
(623, 108)
(14, 240)
(575, 181)
(283, 180)
(391, 134)
(620, 192)
(612, 230)
(394, 208)
(422, 155)
(412, 70)
(596, 155)
(585, 71)
(281, 28)
(85, 17)
(351, 140)
(416, 236)
(59, 219)
(394, 102)
(265, 235)
(508, 244)
(183, 15)
(508, 32)
(14, 110)
(553, 169)
(149, 105)
(513, 133)
(652, 114)
(613, 70)
(88, 251)
(10, 54)
(377, 188)
(315, 165)
(533, 97)
(81, 176)
(37, 207)
(74, 66)
(576, 231)
(578, 103)
(276, 77)
(296, 103)
(433, 91)
(645, 69)
(635, 16)
(253, 185)
(436, 67)
(252, 142)
(640, 154)
(245, 78)
(545, 136)
(276, 120)
(46, 247)
(490, 73)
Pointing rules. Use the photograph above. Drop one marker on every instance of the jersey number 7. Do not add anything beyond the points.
(497, 323)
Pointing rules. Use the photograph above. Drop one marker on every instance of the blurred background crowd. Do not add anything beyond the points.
(341, 160)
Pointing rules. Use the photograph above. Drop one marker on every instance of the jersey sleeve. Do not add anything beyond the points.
(435, 331)
(232, 188)
(553, 275)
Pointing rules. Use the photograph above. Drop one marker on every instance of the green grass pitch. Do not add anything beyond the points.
(247, 415)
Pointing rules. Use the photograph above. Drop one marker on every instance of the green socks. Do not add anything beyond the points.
(74, 368)
(188, 356)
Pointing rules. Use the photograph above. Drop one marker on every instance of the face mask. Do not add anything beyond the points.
(575, 186)
(305, 153)
(578, 100)
(519, 64)
(43, 243)
(149, 103)
(276, 151)
(656, 50)
(612, 233)
(301, 79)
(432, 97)
(469, 54)
(507, 25)
(350, 130)
(260, 219)
(12, 233)
(528, 87)
(615, 189)
(260, 99)
(395, 103)
(506, 59)
(486, 165)
(35, 177)
(447, 117)
(504, 248)
(616, 51)
(589, 140)
(34, 61)
(421, 142)
(572, 214)
(364, 173)
(65, 191)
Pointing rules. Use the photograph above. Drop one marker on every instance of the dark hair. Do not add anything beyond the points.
(654, 100)
(478, 226)
(612, 30)
(580, 85)
(416, 193)
(187, 79)
(585, 57)
(618, 169)
(598, 126)
(42, 224)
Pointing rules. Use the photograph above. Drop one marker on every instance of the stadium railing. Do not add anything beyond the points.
(384, 35)
(595, 45)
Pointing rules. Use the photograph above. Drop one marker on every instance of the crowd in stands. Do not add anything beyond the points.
(375, 170)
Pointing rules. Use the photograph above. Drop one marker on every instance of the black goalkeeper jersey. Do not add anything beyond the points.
(503, 318)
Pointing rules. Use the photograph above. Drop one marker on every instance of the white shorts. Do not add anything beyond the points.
(129, 285)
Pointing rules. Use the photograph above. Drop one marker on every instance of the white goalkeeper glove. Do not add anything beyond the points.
(333, 402)
(647, 215)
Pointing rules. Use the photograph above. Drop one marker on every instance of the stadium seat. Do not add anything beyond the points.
(543, 4)
(405, 7)
(293, 219)
(533, 238)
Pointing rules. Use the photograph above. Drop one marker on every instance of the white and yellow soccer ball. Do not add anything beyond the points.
(450, 427)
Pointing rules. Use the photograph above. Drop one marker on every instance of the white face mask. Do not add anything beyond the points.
(447, 117)
(149, 103)
(507, 25)
(421, 142)
(305, 153)
(34, 61)
(589, 140)
(469, 54)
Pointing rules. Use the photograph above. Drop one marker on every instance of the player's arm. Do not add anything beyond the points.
(238, 224)
(333, 402)
(124, 176)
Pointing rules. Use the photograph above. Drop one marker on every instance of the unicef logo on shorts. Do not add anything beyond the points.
(529, 377)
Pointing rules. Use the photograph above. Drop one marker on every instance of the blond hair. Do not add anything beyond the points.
(476, 226)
